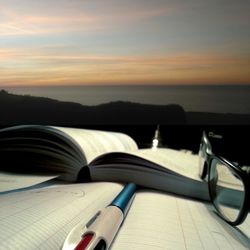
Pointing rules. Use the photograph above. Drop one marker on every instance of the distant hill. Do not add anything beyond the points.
(24, 109)
(208, 118)
(119, 116)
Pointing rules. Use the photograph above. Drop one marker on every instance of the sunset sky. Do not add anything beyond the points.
(83, 42)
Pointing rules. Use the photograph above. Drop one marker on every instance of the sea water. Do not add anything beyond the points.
(219, 99)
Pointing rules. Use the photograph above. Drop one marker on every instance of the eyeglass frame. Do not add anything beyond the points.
(243, 173)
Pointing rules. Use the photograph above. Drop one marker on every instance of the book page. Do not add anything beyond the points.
(64, 151)
(163, 169)
(94, 142)
(182, 162)
(159, 221)
(42, 218)
(165, 160)
(12, 181)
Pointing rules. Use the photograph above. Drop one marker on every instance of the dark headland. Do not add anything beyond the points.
(25, 109)
(179, 129)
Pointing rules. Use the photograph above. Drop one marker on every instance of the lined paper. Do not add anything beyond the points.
(160, 221)
(11, 181)
(42, 218)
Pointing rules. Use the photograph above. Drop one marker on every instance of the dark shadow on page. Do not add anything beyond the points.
(84, 175)
(235, 232)
(44, 184)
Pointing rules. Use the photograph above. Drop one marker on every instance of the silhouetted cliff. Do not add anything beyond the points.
(209, 118)
(23, 109)
(118, 116)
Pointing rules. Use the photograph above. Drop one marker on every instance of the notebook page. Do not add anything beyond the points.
(42, 218)
(160, 221)
(11, 181)
(95, 142)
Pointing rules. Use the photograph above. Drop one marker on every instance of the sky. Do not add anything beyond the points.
(98, 42)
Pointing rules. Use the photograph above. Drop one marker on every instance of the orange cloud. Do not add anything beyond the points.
(37, 67)
(16, 22)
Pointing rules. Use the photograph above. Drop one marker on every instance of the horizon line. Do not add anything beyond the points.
(128, 85)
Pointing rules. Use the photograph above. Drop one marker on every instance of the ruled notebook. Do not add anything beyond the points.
(160, 221)
(42, 218)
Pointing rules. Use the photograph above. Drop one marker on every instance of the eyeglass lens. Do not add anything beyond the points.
(226, 189)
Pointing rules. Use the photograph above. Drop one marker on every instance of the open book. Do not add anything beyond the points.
(85, 155)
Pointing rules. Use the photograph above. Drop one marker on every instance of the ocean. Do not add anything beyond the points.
(219, 99)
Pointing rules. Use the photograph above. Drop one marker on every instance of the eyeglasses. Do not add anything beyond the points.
(228, 184)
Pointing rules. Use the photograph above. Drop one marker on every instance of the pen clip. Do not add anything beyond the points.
(92, 220)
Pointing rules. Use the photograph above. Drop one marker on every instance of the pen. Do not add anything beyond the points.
(99, 232)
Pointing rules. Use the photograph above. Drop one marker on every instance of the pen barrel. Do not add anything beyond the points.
(124, 199)
(106, 226)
